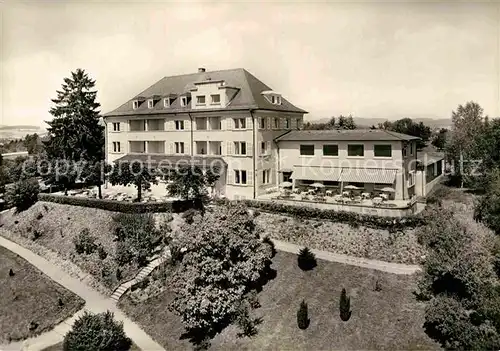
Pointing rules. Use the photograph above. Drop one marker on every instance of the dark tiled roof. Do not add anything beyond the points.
(356, 134)
(173, 161)
(247, 89)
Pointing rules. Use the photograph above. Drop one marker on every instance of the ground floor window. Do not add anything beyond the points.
(330, 183)
(266, 176)
(240, 176)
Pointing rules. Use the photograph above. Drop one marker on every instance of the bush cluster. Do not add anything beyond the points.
(23, 194)
(85, 243)
(351, 218)
(459, 279)
(97, 332)
(177, 206)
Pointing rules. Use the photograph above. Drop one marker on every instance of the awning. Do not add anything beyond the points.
(284, 170)
(329, 174)
(368, 175)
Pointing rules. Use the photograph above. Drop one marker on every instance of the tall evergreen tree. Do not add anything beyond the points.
(75, 133)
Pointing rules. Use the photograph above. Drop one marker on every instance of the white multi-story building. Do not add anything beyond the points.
(231, 120)
(226, 117)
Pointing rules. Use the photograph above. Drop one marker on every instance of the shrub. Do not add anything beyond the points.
(305, 212)
(378, 286)
(119, 274)
(345, 306)
(139, 233)
(102, 252)
(302, 316)
(189, 215)
(306, 259)
(96, 332)
(39, 216)
(269, 242)
(121, 206)
(36, 234)
(24, 194)
(84, 242)
(123, 255)
(11, 273)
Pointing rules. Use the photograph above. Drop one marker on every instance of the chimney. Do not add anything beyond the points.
(201, 70)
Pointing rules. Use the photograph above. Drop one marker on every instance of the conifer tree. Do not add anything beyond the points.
(345, 306)
(306, 259)
(302, 316)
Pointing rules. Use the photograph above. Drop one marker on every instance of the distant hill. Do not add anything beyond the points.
(20, 127)
(20, 131)
(368, 122)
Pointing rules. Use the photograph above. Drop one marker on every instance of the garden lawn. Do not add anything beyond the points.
(390, 319)
(54, 226)
(377, 244)
(30, 296)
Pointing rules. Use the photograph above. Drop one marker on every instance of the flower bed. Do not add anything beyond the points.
(360, 241)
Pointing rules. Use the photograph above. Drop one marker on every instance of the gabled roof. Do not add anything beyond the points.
(247, 93)
(346, 135)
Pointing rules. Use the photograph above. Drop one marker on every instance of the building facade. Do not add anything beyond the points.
(366, 159)
(224, 117)
(252, 134)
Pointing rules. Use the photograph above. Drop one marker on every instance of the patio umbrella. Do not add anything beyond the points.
(317, 185)
(286, 184)
(388, 189)
(351, 187)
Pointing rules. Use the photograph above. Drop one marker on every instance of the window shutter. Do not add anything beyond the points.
(187, 148)
(229, 148)
(282, 123)
(268, 147)
(249, 149)
(249, 177)
(249, 123)
(229, 123)
(171, 148)
(230, 177)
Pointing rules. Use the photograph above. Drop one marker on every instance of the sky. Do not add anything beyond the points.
(369, 59)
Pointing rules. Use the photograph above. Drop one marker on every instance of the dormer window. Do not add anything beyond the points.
(166, 102)
(135, 104)
(184, 100)
(151, 103)
(273, 97)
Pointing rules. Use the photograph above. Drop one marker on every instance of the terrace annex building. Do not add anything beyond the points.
(232, 118)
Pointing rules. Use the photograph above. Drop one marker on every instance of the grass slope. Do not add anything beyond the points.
(390, 319)
(30, 296)
(58, 225)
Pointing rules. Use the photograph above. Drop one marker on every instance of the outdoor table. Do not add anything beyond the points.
(365, 195)
(384, 196)
(329, 192)
(377, 200)
(346, 193)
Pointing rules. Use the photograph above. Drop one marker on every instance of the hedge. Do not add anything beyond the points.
(121, 206)
(377, 222)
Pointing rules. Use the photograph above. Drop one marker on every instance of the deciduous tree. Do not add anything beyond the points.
(223, 260)
(136, 173)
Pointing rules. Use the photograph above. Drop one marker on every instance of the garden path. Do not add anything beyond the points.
(94, 302)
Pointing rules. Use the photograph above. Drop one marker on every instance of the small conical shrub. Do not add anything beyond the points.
(118, 274)
(302, 316)
(11, 273)
(345, 306)
(306, 259)
(60, 302)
